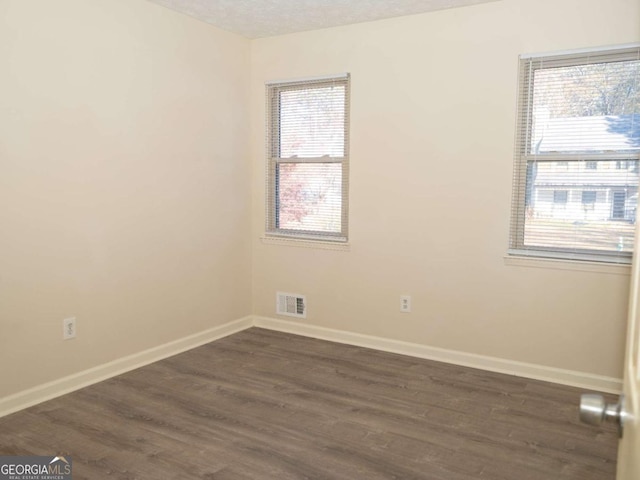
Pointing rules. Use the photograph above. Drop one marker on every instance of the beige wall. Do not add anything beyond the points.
(433, 112)
(123, 193)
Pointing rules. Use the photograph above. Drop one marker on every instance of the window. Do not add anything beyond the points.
(308, 159)
(618, 207)
(581, 110)
(591, 165)
(560, 197)
(588, 199)
(621, 165)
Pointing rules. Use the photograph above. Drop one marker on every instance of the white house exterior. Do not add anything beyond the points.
(592, 190)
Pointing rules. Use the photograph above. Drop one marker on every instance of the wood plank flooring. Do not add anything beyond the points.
(267, 405)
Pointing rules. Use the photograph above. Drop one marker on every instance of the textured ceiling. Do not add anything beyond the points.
(265, 18)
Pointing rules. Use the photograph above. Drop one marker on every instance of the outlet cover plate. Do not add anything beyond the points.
(69, 328)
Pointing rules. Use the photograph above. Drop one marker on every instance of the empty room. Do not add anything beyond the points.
(338, 239)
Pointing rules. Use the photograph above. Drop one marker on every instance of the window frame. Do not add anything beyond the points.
(273, 90)
(528, 64)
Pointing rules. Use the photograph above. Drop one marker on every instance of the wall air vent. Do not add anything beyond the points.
(291, 304)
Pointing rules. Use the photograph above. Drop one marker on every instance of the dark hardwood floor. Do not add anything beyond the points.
(268, 405)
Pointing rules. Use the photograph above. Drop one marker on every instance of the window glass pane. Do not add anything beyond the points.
(589, 197)
(580, 208)
(309, 196)
(560, 196)
(312, 122)
(586, 108)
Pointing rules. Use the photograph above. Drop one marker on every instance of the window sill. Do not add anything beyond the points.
(303, 243)
(561, 264)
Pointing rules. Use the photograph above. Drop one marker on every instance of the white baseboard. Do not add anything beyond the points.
(64, 385)
(572, 378)
(56, 388)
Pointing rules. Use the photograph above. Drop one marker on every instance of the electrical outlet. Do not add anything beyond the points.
(69, 328)
(405, 303)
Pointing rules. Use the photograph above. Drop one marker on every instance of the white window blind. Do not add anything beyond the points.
(308, 159)
(577, 151)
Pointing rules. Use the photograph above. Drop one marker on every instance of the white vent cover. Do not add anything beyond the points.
(291, 304)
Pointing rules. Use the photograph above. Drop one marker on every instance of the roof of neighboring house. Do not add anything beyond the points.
(619, 133)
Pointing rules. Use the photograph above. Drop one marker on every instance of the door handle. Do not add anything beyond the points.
(595, 411)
